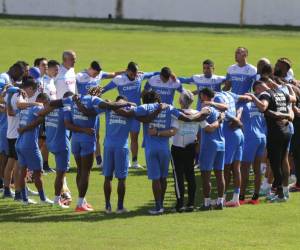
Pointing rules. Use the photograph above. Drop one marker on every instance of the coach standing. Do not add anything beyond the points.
(66, 77)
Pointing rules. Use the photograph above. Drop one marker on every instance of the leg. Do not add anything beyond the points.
(220, 182)
(189, 173)
(227, 175)
(59, 181)
(39, 184)
(163, 185)
(121, 193)
(86, 166)
(245, 178)
(257, 174)
(107, 191)
(134, 145)
(157, 193)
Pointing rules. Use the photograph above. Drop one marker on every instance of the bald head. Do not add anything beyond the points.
(69, 58)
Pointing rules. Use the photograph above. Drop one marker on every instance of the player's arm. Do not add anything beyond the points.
(113, 105)
(87, 112)
(148, 75)
(151, 116)
(292, 95)
(235, 121)
(39, 120)
(262, 103)
(110, 75)
(187, 80)
(162, 133)
(198, 117)
(209, 128)
(46, 111)
(109, 86)
(74, 128)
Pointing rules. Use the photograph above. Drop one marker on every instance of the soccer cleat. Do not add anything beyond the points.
(60, 204)
(219, 206)
(253, 202)
(178, 209)
(29, 202)
(264, 191)
(294, 188)
(189, 209)
(156, 211)
(8, 195)
(122, 211)
(135, 165)
(47, 169)
(232, 203)
(47, 202)
(31, 192)
(277, 199)
(286, 194)
(83, 208)
(205, 208)
(108, 210)
(270, 196)
(100, 166)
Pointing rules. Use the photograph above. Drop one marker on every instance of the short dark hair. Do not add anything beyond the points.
(243, 48)
(150, 97)
(257, 83)
(43, 97)
(285, 61)
(23, 64)
(121, 97)
(208, 62)
(96, 66)
(267, 69)
(28, 81)
(37, 61)
(53, 63)
(166, 72)
(207, 92)
(67, 94)
(132, 66)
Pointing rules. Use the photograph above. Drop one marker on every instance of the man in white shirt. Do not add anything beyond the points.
(66, 77)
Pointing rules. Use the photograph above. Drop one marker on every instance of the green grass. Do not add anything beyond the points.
(183, 48)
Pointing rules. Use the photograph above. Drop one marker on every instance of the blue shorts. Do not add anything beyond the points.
(83, 148)
(254, 147)
(211, 160)
(3, 142)
(116, 160)
(30, 158)
(234, 148)
(135, 126)
(61, 160)
(157, 161)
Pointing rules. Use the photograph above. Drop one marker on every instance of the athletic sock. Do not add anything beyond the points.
(134, 158)
(18, 195)
(108, 205)
(120, 205)
(206, 202)
(236, 195)
(255, 196)
(80, 202)
(7, 191)
(42, 195)
(286, 190)
(56, 199)
(24, 194)
(98, 159)
(220, 200)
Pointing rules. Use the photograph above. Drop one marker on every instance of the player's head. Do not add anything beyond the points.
(241, 54)
(282, 66)
(186, 99)
(262, 62)
(69, 58)
(165, 74)
(132, 70)
(68, 94)
(53, 67)
(94, 69)
(266, 70)
(259, 87)
(42, 64)
(43, 98)
(25, 66)
(121, 98)
(16, 72)
(150, 97)
(208, 67)
(206, 94)
(29, 85)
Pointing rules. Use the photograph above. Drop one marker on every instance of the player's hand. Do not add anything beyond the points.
(163, 106)
(250, 95)
(173, 76)
(206, 111)
(75, 98)
(206, 103)
(21, 131)
(89, 131)
(152, 131)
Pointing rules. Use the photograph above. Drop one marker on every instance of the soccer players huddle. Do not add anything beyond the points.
(246, 120)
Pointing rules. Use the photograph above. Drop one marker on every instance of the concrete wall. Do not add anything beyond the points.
(257, 12)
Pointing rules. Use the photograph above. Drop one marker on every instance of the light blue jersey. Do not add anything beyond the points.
(84, 81)
(201, 81)
(28, 139)
(166, 90)
(131, 89)
(241, 78)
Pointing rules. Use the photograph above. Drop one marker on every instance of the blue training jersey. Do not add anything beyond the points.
(29, 139)
(56, 133)
(166, 90)
(241, 78)
(213, 141)
(84, 81)
(201, 81)
(131, 89)
(165, 120)
(254, 122)
(3, 117)
(117, 129)
(71, 113)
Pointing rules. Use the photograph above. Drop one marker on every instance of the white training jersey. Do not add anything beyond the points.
(65, 81)
(6, 78)
(49, 87)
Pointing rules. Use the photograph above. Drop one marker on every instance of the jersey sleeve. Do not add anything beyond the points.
(219, 99)
(175, 112)
(140, 111)
(148, 75)
(187, 80)
(174, 123)
(95, 104)
(109, 86)
(104, 75)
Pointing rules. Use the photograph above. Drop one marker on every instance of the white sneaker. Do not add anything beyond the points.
(47, 202)
(59, 204)
(136, 165)
(122, 211)
(292, 179)
(29, 202)
(31, 192)
(100, 166)
(155, 211)
(108, 210)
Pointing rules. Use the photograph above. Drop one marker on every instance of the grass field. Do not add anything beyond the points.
(183, 48)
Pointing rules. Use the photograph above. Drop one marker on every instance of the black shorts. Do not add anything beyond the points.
(12, 149)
